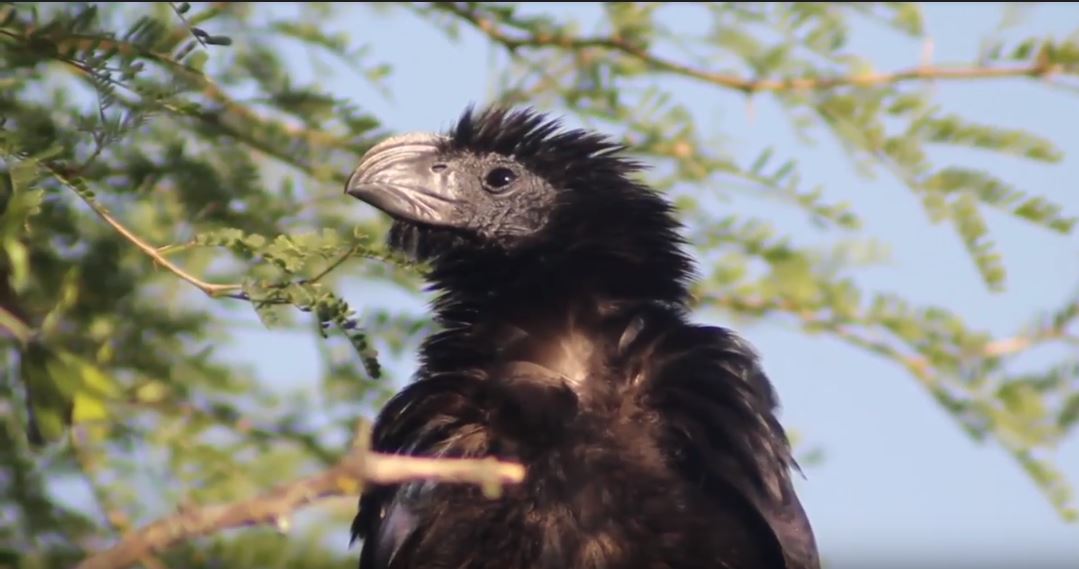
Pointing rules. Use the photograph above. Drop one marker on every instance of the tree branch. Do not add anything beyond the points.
(218, 119)
(69, 43)
(346, 478)
(211, 289)
(15, 326)
(487, 26)
(333, 265)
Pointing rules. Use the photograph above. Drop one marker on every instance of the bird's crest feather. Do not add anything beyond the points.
(540, 142)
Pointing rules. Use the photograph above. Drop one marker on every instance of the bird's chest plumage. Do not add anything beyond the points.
(565, 394)
(549, 381)
(581, 349)
(578, 359)
(599, 492)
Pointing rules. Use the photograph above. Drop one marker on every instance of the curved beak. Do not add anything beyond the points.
(401, 176)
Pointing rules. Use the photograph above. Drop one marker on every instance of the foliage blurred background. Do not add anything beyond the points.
(880, 196)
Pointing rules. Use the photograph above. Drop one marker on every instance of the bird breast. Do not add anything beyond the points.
(571, 355)
(565, 354)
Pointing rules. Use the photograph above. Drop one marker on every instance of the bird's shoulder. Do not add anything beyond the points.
(718, 410)
(438, 415)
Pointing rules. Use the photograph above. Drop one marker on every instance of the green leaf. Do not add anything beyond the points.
(62, 389)
(1069, 414)
(908, 16)
(952, 129)
(24, 201)
(1021, 399)
(761, 160)
(994, 192)
(975, 234)
(218, 40)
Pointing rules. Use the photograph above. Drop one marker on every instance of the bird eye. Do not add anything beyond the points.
(499, 178)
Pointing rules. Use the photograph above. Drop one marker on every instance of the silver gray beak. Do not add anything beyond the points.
(403, 177)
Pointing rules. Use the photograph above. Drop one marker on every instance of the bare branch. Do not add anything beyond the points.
(1007, 346)
(15, 326)
(274, 507)
(1017, 344)
(484, 23)
(336, 263)
(211, 289)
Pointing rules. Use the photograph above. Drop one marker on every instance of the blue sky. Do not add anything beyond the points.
(900, 477)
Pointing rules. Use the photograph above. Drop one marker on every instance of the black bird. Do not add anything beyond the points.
(649, 441)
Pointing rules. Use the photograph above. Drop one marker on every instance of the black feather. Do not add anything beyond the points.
(648, 441)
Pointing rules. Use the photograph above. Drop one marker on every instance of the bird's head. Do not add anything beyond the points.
(515, 185)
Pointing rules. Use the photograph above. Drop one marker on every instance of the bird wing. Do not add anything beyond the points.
(436, 416)
(389, 523)
(717, 408)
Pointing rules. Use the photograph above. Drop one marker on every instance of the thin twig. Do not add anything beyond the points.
(484, 24)
(915, 363)
(211, 289)
(14, 325)
(1017, 344)
(217, 118)
(187, 24)
(1007, 346)
(274, 507)
(65, 43)
(336, 263)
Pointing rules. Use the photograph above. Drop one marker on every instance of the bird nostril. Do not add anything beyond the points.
(438, 167)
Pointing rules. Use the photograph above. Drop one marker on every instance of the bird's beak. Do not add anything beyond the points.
(400, 177)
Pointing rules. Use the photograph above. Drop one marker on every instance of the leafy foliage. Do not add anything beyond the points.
(163, 178)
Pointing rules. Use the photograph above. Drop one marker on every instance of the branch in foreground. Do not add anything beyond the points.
(486, 25)
(345, 478)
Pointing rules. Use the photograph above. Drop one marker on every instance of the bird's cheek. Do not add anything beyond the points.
(530, 219)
